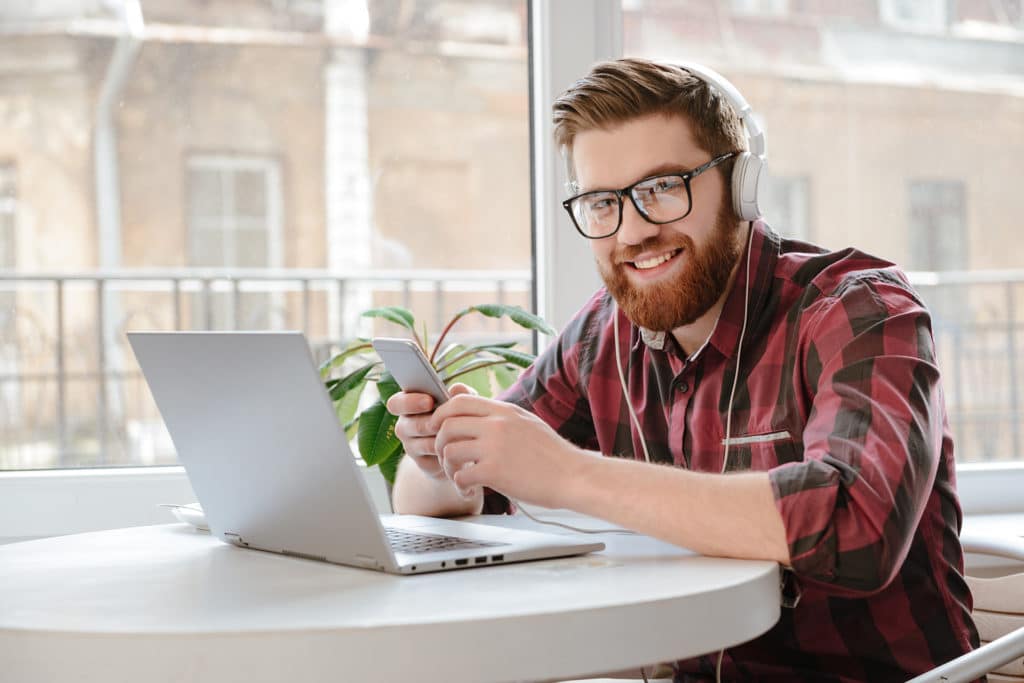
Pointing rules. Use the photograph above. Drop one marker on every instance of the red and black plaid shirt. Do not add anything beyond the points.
(839, 398)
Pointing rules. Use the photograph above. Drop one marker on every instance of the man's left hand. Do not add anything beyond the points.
(484, 442)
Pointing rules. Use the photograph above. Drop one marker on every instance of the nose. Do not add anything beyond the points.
(635, 228)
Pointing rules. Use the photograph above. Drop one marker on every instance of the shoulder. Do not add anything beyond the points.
(821, 279)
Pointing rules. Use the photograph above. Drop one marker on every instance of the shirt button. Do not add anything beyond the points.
(682, 387)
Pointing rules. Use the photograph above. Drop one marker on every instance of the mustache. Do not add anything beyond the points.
(629, 252)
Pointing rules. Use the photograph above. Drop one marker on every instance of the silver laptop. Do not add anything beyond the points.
(271, 466)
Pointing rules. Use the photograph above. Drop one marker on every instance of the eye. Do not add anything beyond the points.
(601, 203)
(666, 184)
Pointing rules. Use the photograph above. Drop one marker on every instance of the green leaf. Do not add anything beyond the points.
(455, 360)
(516, 314)
(341, 387)
(520, 358)
(506, 375)
(389, 467)
(337, 360)
(348, 405)
(480, 380)
(394, 314)
(376, 435)
(387, 386)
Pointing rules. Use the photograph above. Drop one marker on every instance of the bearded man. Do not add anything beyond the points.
(761, 398)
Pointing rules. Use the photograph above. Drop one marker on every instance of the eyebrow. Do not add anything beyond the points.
(660, 169)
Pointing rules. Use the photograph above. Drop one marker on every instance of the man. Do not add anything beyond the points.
(807, 377)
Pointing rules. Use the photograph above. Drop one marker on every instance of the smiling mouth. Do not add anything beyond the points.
(656, 261)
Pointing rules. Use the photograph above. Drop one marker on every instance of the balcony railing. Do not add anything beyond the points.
(71, 394)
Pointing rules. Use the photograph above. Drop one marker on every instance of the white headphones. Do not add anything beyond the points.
(750, 165)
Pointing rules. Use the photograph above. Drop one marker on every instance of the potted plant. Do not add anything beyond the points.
(485, 367)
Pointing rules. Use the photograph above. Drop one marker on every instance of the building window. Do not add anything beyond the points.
(915, 15)
(10, 404)
(786, 205)
(938, 242)
(234, 222)
(938, 229)
(761, 7)
(8, 204)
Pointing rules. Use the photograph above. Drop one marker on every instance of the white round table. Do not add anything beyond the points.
(168, 603)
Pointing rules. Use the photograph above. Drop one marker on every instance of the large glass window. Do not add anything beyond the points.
(897, 127)
(244, 164)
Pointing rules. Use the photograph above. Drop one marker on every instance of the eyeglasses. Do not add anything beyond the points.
(659, 199)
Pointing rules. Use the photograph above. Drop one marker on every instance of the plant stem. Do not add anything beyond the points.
(444, 333)
(477, 367)
(456, 358)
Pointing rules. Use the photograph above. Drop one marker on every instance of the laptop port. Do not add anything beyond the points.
(497, 558)
(462, 562)
(479, 560)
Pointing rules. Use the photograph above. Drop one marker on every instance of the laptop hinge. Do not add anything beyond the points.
(367, 561)
(232, 537)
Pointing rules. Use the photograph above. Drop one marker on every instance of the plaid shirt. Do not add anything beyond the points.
(839, 399)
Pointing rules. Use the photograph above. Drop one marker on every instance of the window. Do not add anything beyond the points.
(938, 231)
(765, 7)
(916, 15)
(252, 165)
(874, 140)
(10, 404)
(234, 212)
(786, 201)
(939, 242)
(8, 213)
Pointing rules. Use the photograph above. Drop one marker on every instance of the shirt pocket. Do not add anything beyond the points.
(763, 450)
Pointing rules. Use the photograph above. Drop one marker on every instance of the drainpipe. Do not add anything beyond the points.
(108, 194)
(108, 209)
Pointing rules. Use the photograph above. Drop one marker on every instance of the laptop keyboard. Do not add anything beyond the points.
(413, 543)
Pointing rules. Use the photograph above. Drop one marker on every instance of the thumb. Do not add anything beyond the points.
(460, 388)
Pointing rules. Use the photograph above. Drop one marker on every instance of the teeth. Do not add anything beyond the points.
(652, 262)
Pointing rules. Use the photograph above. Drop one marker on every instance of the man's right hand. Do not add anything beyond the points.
(425, 489)
(414, 411)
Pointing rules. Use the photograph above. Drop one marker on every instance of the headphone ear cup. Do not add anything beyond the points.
(746, 179)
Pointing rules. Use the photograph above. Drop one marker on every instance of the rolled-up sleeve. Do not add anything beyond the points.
(872, 440)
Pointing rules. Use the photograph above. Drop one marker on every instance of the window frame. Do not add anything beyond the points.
(47, 503)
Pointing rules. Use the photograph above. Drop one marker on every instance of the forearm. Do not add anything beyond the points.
(732, 515)
(416, 493)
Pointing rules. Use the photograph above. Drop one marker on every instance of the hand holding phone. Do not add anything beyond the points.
(410, 368)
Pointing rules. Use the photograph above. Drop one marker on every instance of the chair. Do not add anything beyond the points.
(999, 616)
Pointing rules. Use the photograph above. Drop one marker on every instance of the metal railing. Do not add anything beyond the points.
(71, 394)
(62, 343)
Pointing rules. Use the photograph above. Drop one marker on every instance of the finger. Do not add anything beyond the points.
(470, 478)
(459, 388)
(463, 404)
(460, 428)
(425, 446)
(458, 454)
(410, 403)
(467, 491)
(452, 466)
(410, 427)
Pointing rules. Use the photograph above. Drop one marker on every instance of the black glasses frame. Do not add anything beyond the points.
(628, 191)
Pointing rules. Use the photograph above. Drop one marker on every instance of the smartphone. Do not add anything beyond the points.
(410, 368)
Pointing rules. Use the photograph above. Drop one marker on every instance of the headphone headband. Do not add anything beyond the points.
(749, 167)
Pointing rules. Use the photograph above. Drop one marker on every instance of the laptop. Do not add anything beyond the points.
(271, 466)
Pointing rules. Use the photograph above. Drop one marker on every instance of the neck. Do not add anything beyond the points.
(691, 337)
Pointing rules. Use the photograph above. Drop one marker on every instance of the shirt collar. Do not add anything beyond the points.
(763, 254)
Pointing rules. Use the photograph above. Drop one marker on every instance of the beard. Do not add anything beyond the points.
(664, 306)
